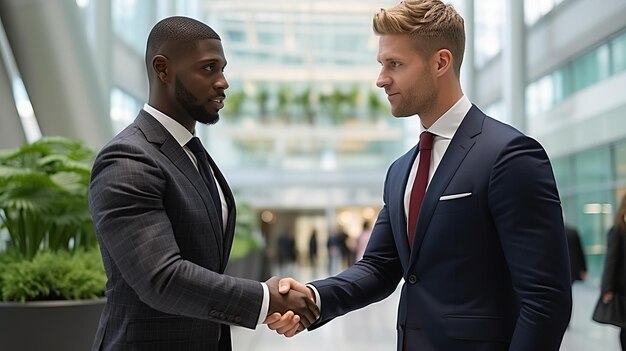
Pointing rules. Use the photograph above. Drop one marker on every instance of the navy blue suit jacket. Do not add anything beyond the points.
(489, 267)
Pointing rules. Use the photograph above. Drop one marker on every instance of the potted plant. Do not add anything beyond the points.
(51, 276)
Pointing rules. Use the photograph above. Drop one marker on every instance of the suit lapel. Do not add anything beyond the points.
(156, 133)
(460, 145)
(230, 221)
(404, 167)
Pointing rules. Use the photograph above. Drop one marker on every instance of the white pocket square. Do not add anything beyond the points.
(454, 196)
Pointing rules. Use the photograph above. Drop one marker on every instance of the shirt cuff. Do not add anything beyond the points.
(318, 300)
(265, 305)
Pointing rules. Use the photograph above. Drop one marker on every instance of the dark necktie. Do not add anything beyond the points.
(419, 185)
(205, 171)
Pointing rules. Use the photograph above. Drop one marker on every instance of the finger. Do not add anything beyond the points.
(294, 331)
(310, 314)
(284, 285)
(285, 322)
(272, 318)
(289, 326)
(307, 317)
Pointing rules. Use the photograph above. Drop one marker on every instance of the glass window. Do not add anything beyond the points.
(563, 174)
(488, 30)
(236, 36)
(620, 162)
(591, 68)
(124, 109)
(535, 9)
(595, 217)
(593, 168)
(618, 54)
(131, 22)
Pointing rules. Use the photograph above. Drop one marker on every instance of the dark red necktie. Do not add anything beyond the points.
(419, 185)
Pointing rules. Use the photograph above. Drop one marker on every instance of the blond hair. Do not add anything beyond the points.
(431, 22)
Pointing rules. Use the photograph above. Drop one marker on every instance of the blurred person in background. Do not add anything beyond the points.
(483, 256)
(361, 241)
(578, 263)
(165, 216)
(313, 248)
(287, 254)
(614, 275)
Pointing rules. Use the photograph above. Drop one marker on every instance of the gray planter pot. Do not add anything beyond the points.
(49, 325)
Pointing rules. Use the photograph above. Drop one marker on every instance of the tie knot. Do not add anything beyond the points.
(195, 145)
(426, 141)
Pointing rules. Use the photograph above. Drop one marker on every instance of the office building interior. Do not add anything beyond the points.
(306, 137)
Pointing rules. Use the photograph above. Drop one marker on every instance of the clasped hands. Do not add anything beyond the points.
(292, 306)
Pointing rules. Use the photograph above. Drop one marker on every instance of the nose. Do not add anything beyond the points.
(382, 80)
(221, 82)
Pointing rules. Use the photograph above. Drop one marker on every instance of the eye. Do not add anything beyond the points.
(210, 67)
(395, 64)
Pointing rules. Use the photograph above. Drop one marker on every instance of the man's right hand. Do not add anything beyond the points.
(292, 300)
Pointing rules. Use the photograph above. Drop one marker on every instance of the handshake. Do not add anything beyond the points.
(292, 306)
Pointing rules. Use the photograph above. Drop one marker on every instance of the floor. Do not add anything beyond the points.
(373, 328)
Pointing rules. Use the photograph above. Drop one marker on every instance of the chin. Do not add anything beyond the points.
(208, 119)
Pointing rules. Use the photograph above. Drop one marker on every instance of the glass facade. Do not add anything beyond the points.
(591, 184)
(604, 61)
(534, 10)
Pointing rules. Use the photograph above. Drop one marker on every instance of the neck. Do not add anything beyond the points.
(448, 95)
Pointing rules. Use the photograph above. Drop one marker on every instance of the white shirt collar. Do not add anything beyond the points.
(180, 133)
(450, 121)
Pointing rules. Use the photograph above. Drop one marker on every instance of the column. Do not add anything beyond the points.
(61, 77)
(11, 133)
(468, 69)
(514, 63)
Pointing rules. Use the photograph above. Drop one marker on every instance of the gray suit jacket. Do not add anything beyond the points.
(163, 248)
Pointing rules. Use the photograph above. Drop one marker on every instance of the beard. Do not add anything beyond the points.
(419, 100)
(190, 104)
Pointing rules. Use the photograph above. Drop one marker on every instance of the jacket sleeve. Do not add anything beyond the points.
(139, 246)
(526, 208)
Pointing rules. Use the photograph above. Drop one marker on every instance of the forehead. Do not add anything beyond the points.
(396, 46)
(202, 50)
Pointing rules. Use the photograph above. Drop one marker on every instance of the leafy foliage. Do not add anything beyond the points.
(245, 240)
(52, 251)
(43, 196)
(52, 276)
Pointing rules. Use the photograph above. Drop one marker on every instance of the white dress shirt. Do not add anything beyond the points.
(443, 130)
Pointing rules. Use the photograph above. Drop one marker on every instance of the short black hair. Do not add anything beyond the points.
(177, 28)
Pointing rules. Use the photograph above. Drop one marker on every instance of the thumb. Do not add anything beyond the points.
(284, 285)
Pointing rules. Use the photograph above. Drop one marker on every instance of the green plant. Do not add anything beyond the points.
(234, 103)
(43, 196)
(52, 276)
(245, 240)
(52, 252)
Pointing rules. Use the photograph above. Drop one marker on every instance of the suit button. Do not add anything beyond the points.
(412, 279)
(237, 319)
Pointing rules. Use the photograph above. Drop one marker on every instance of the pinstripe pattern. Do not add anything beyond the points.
(163, 249)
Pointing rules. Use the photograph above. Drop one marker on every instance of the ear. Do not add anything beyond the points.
(160, 67)
(443, 61)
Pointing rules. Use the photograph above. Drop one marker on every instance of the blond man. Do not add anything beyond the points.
(481, 249)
